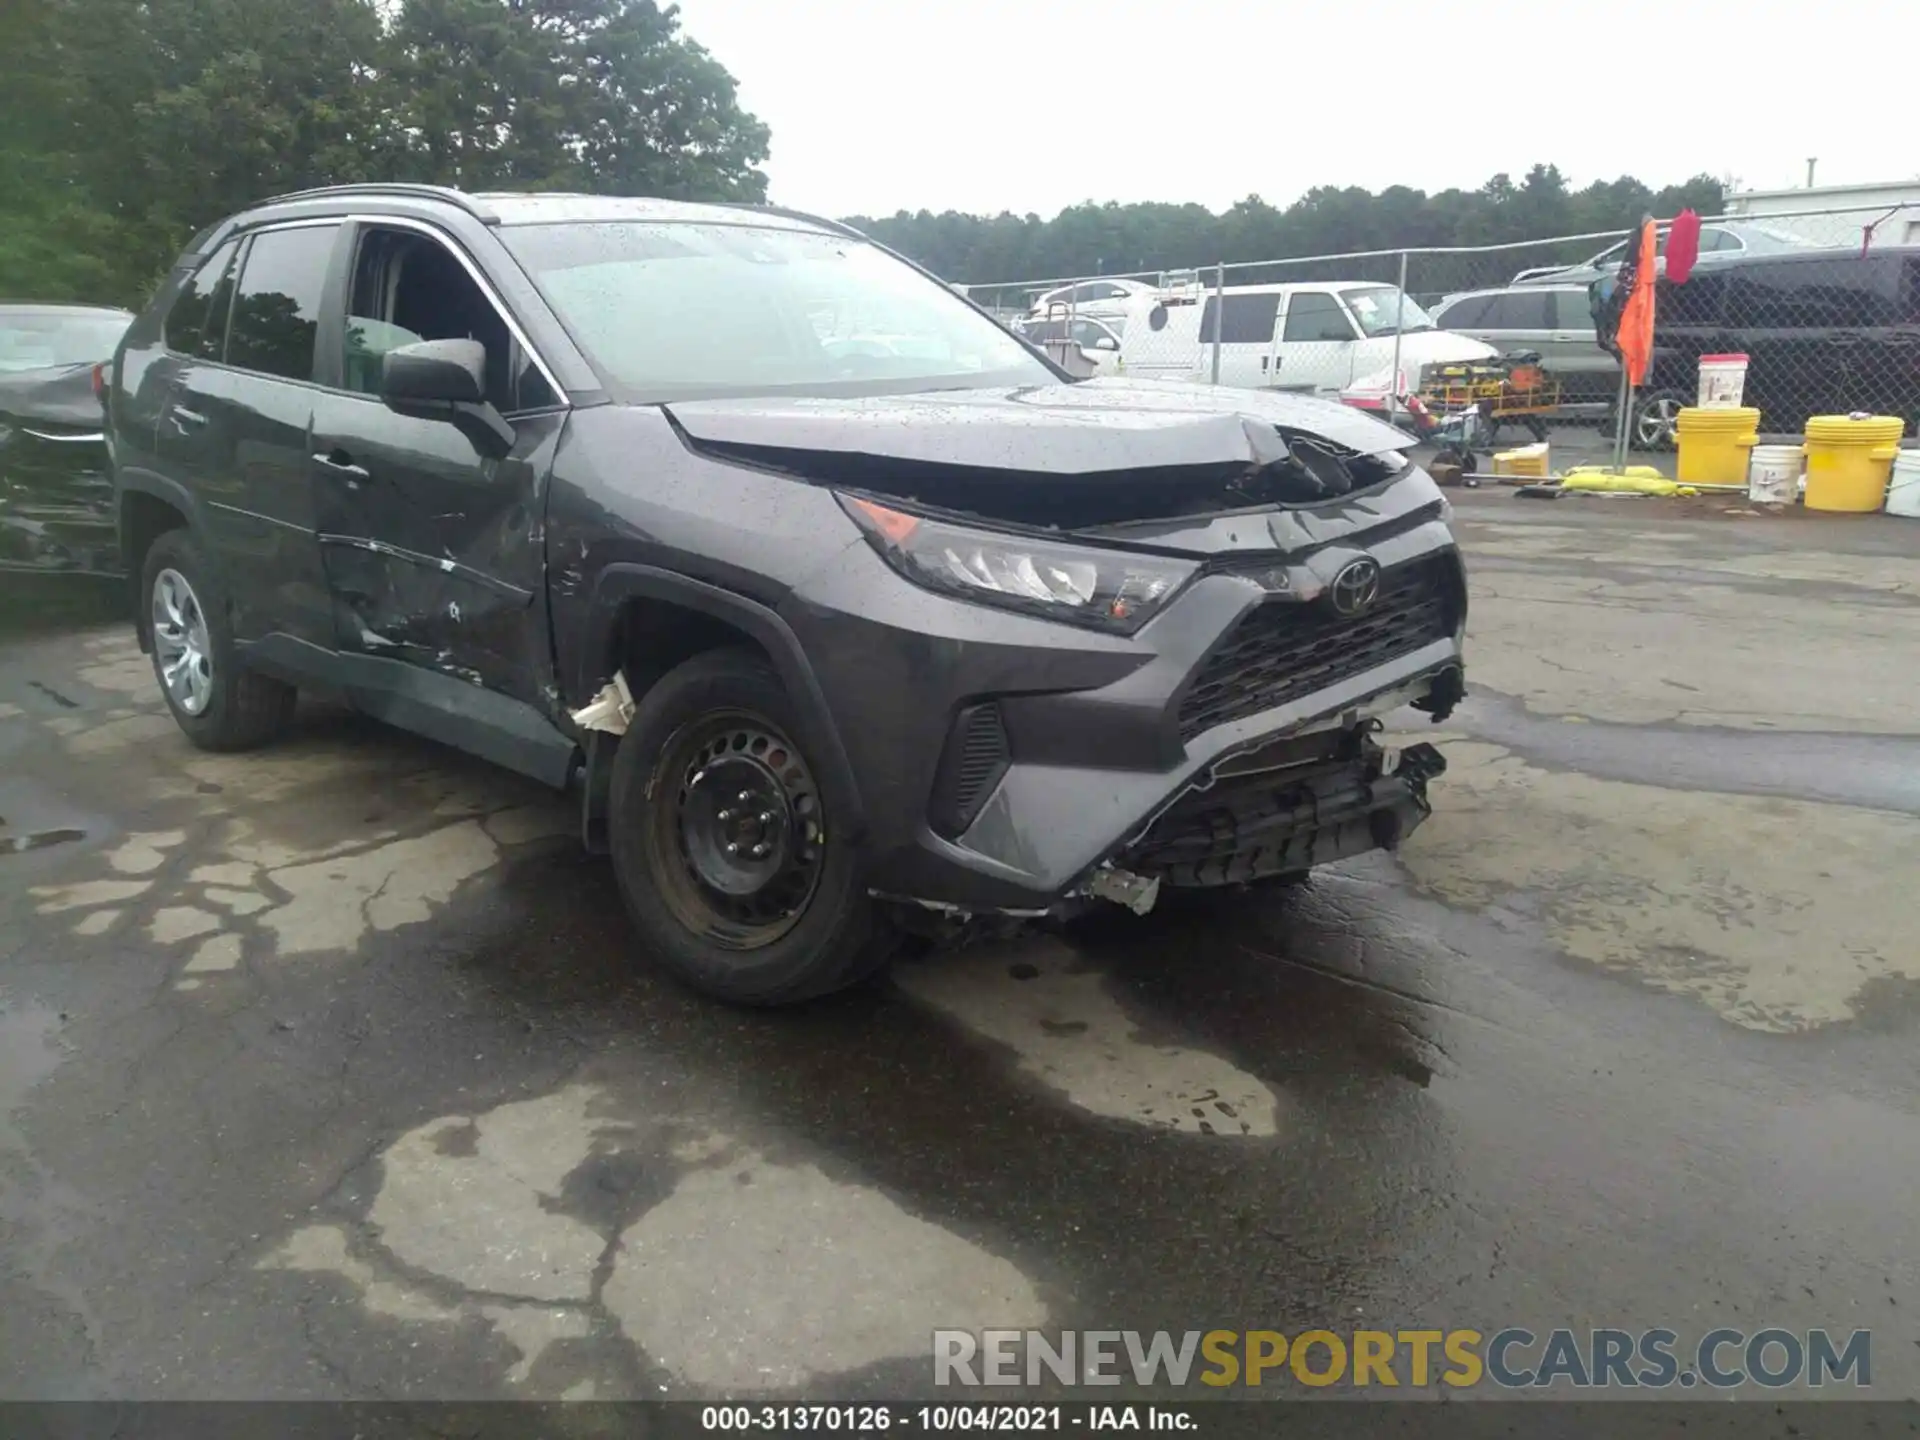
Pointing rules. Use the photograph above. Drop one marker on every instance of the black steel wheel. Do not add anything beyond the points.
(738, 874)
(740, 844)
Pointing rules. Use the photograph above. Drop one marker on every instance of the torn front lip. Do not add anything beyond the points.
(1385, 703)
(944, 907)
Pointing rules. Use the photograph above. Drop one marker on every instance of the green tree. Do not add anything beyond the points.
(1328, 220)
(170, 113)
(571, 94)
(127, 125)
(55, 240)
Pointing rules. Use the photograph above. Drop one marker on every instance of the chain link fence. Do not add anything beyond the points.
(1826, 305)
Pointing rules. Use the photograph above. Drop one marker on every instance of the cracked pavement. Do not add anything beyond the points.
(329, 1071)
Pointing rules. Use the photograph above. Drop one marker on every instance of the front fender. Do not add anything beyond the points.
(622, 582)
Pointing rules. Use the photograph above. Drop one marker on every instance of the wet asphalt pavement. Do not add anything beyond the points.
(329, 1071)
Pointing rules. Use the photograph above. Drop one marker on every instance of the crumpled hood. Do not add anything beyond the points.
(59, 396)
(1096, 426)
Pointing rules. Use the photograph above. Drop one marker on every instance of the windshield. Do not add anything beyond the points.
(674, 311)
(1382, 309)
(47, 339)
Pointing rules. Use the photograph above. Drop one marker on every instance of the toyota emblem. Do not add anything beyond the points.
(1355, 588)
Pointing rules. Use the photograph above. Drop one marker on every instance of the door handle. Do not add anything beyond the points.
(339, 463)
(184, 419)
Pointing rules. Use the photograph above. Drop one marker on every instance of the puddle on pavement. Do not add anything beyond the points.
(557, 1218)
(1879, 772)
(1777, 914)
(1056, 1014)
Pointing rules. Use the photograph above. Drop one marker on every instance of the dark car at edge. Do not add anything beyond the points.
(56, 498)
(847, 615)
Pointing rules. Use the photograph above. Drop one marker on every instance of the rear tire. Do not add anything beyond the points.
(1654, 417)
(217, 703)
(735, 868)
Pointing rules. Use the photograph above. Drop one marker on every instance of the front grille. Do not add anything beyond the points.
(975, 758)
(1282, 650)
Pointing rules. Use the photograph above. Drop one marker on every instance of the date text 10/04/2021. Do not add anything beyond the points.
(939, 1419)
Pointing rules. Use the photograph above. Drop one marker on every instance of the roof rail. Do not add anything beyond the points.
(385, 187)
(787, 213)
(23, 303)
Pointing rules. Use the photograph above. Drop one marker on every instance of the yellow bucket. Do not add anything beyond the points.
(1529, 461)
(1849, 460)
(1715, 445)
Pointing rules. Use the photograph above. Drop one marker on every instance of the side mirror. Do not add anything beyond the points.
(435, 372)
(1106, 342)
(446, 380)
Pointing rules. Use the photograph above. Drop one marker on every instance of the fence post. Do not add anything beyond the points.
(1399, 328)
(1623, 414)
(1219, 313)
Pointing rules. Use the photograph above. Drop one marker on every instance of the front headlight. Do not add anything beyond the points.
(1110, 590)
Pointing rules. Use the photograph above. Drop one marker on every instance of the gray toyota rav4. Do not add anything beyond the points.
(846, 613)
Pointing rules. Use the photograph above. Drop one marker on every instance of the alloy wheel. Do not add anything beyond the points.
(182, 653)
(1654, 426)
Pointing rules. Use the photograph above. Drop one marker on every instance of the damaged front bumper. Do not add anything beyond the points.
(1328, 796)
(1012, 767)
(56, 510)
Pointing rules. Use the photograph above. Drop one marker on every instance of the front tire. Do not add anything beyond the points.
(737, 873)
(218, 704)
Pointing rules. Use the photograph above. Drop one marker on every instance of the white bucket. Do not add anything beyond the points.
(1723, 380)
(1773, 474)
(1903, 489)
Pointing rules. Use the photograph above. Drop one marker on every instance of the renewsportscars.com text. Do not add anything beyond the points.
(1512, 1358)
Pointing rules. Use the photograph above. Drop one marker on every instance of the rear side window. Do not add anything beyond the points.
(1520, 310)
(1314, 316)
(1815, 294)
(1465, 314)
(1697, 302)
(1909, 292)
(1249, 319)
(197, 323)
(1572, 310)
(276, 306)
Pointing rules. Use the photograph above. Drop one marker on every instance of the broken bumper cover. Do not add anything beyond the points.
(1005, 763)
(1257, 826)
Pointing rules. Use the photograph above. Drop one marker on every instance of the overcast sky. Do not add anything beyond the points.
(989, 105)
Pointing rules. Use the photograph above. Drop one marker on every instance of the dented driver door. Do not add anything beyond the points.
(432, 548)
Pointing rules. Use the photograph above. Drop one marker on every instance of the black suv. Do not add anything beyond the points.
(1825, 332)
(849, 614)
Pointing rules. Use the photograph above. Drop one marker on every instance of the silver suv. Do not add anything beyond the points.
(1554, 320)
(1719, 239)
